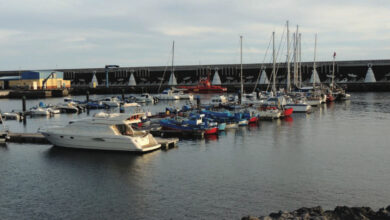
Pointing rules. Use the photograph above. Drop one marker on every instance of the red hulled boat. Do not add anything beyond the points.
(204, 86)
(213, 130)
(287, 112)
(330, 98)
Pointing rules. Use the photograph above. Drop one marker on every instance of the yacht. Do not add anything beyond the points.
(168, 94)
(40, 111)
(181, 94)
(104, 132)
(111, 102)
(11, 116)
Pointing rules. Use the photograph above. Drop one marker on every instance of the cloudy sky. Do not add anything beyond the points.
(37, 34)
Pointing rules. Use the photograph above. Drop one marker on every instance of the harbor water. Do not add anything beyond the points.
(337, 155)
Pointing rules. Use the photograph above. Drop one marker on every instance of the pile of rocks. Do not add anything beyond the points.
(317, 213)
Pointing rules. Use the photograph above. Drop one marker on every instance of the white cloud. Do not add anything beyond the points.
(87, 33)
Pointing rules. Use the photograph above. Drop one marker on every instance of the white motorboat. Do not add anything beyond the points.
(168, 94)
(54, 110)
(11, 116)
(106, 132)
(39, 111)
(181, 94)
(145, 97)
(130, 104)
(218, 100)
(111, 102)
(67, 108)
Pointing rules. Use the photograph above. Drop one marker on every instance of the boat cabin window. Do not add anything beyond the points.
(124, 129)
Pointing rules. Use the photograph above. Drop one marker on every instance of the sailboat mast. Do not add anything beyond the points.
(334, 60)
(274, 64)
(314, 64)
(242, 85)
(173, 56)
(288, 60)
(300, 61)
(295, 58)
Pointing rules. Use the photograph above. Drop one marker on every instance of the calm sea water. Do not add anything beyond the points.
(338, 155)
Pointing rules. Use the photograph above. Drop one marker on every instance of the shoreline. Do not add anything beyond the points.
(339, 213)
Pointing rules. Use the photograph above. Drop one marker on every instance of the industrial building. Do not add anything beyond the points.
(35, 80)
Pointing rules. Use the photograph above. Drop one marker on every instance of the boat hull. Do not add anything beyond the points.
(121, 143)
(253, 119)
(314, 102)
(288, 112)
(211, 131)
(231, 125)
(221, 126)
(301, 108)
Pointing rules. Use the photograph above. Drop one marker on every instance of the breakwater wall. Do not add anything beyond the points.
(350, 74)
(33, 94)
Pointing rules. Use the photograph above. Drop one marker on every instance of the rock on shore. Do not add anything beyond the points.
(317, 213)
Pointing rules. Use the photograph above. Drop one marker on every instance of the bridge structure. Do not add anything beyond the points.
(350, 74)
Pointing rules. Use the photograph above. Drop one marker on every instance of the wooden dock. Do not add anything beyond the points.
(34, 138)
(167, 143)
(37, 138)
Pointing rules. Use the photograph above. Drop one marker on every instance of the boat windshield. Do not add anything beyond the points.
(124, 129)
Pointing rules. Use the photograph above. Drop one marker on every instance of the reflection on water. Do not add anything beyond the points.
(337, 155)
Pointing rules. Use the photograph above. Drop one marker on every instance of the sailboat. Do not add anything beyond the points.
(314, 97)
(168, 94)
(337, 92)
(296, 101)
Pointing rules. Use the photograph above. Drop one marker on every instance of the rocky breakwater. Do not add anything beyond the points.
(317, 213)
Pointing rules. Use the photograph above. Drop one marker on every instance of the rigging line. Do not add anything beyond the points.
(165, 70)
(277, 55)
(262, 64)
(280, 43)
